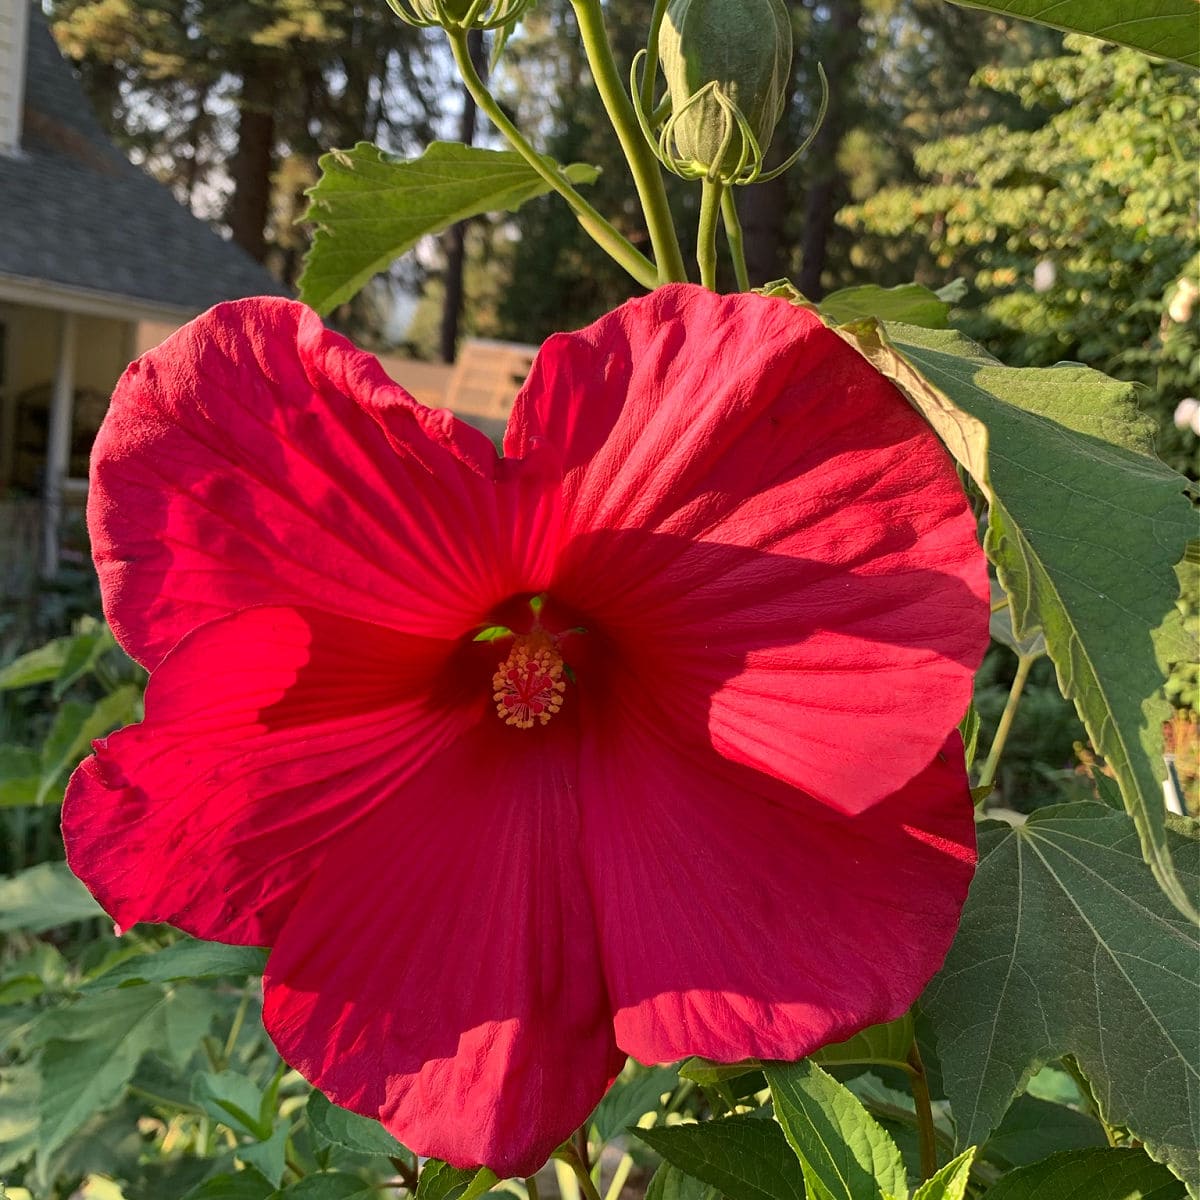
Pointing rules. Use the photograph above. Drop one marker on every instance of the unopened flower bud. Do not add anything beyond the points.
(726, 65)
(459, 14)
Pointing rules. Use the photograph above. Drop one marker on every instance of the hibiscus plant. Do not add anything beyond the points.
(603, 814)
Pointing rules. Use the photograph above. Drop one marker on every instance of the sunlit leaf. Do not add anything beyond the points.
(369, 207)
(348, 1129)
(44, 897)
(1085, 529)
(1165, 28)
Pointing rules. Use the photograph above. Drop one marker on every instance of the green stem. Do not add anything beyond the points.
(601, 231)
(531, 1188)
(706, 234)
(236, 1028)
(988, 776)
(650, 75)
(620, 1175)
(733, 235)
(647, 177)
(568, 1154)
(926, 1130)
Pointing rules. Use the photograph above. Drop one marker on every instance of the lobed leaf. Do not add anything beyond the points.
(1085, 528)
(1067, 947)
(909, 302)
(369, 207)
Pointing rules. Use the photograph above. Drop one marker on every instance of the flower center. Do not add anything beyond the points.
(528, 685)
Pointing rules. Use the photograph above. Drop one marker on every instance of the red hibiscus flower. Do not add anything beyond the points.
(699, 794)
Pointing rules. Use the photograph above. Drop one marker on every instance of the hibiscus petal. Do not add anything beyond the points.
(768, 931)
(768, 532)
(257, 458)
(441, 972)
(266, 734)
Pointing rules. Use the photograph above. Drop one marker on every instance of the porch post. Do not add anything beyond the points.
(58, 445)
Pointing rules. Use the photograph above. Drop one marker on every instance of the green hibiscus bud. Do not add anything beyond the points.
(460, 14)
(726, 64)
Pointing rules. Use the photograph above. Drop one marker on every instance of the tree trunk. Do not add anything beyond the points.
(456, 236)
(845, 40)
(254, 158)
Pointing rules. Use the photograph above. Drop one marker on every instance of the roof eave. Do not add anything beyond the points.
(41, 293)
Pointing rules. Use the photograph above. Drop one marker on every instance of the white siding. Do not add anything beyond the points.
(14, 20)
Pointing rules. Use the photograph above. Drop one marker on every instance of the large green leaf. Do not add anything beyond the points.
(843, 1151)
(186, 959)
(44, 897)
(348, 1129)
(335, 1185)
(1085, 529)
(1106, 1174)
(248, 1184)
(92, 1047)
(20, 1086)
(746, 1158)
(1166, 28)
(369, 207)
(1067, 947)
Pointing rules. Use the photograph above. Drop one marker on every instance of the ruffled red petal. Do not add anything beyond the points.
(257, 458)
(267, 734)
(769, 925)
(441, 972)
(768, 533)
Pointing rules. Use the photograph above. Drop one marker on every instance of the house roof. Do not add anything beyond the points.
(77, 214)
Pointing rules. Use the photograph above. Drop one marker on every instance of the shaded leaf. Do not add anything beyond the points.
(247, 1184)
(745, 1158)
(269, 1155)
(348, 1129)
(44, 897)
(844, 1153)
(1000, 627)
(706, 1073)
(909, 302)
(92, 640)
(20, 774)
(333, 1185)
(20, 1087)
(1067, 947)
(1107, 1174)
(1034, 1129)
(369, 207)
(880, 1045)
(670, 1183)
(636, 1091)
(92, 1047)
(1099, 578)
(231, 1099)
(1164, 28)
(187, 959)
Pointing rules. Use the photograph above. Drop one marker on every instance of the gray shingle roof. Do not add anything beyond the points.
(74, 211)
